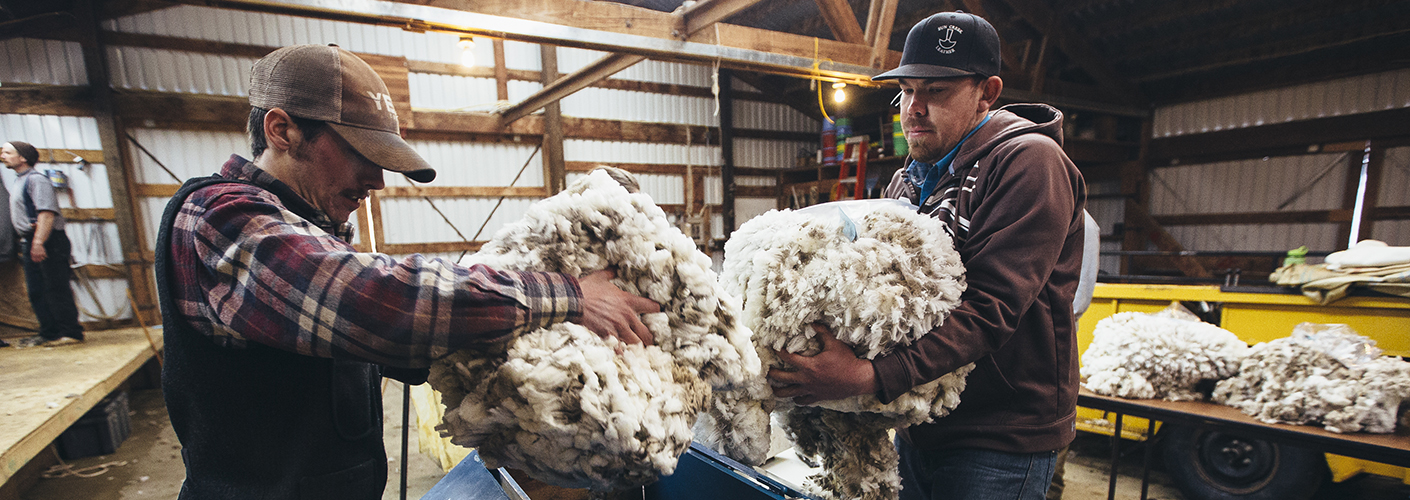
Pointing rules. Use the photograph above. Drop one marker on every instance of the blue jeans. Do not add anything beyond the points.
(974, 474)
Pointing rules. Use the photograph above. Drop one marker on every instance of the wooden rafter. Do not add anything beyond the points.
(1047, 22)
(880, 20)
(693, 19)
(839, 17)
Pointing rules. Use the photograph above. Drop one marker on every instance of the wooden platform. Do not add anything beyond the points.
(44, 390)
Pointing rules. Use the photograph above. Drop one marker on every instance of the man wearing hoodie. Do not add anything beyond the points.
(1013, 203)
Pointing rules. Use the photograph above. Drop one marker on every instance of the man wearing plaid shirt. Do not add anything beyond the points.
(278, 332)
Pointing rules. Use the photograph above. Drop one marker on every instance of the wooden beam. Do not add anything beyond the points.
(604, 26)
(501, 72)
(89, 214)
(1298, 217)
(727, 152)
(563, 87)
(704, 14)
(143, 105)
(842, 21)
(155, 190)
(1280, 139)
(691, 19)
(430, 247)
(60, 155)
(636, 168)
(880, 21)
(475, 123)
(46, 100)
(555, 178)
(669, 133)
(123, 39)
(462, 191)
(1390, 213)
(111, 134)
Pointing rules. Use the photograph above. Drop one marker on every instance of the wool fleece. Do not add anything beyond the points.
(560, 403)
(880, 276)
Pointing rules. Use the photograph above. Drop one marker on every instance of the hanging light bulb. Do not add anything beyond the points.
(467, 51)
(838, 95)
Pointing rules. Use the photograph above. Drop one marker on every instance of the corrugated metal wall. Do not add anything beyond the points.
(1395, 176)
(44, 62)
(94, 243)
(1107, 212)
(1279, 184)
(192, 153)
(1361, 94)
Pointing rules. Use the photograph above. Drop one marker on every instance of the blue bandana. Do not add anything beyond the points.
(932, 172)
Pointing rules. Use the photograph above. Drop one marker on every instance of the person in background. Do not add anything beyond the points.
(278, 331)
(1012, 202)
(8, 251)
(44, 249)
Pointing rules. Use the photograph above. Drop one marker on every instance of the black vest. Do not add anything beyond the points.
(262, 423)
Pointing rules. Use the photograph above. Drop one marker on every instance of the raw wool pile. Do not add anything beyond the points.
(559, 403)
(880, 276)
(1161, 355)
(1323, 374)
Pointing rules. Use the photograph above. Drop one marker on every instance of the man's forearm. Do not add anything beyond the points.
(43, 226)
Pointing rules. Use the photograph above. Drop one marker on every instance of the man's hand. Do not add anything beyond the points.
(610, 312)
(37, 253)
(833, 373)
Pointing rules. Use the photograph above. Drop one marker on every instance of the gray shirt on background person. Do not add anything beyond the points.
(33, 186)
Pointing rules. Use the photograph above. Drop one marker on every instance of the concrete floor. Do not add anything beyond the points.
(148, 466)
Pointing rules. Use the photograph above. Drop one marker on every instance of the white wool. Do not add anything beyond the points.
(1164, 355)
(895, 282)
(1335, 378)
(558, 402)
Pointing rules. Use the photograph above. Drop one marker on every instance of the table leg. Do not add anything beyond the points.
(1115, 454)
(1146, 462)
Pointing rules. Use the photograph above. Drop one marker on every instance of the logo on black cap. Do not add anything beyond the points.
(947, 38)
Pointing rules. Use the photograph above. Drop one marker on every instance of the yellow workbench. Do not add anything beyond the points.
(44, 390)
(1254, 318)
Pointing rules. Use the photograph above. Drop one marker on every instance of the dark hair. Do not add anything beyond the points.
(311, 129)
(26, 151)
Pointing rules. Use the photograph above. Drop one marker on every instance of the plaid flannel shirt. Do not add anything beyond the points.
(247, 269)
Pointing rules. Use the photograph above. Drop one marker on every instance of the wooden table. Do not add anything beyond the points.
(44, 390)
(1392, 449)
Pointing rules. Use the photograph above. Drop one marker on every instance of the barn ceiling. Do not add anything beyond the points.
(1144, 52)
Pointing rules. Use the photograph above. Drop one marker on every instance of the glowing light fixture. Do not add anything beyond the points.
(467, 51)
(838, 95)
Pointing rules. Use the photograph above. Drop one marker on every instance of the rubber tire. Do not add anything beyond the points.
(1253, 469)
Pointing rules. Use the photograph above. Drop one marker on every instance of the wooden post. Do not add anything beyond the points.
(727, 150)
(501, 72)
(555, 176)
(110, 133)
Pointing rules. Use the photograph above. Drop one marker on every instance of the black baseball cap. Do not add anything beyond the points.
(947, 45)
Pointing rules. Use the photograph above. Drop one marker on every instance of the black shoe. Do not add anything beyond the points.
(3, 343)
